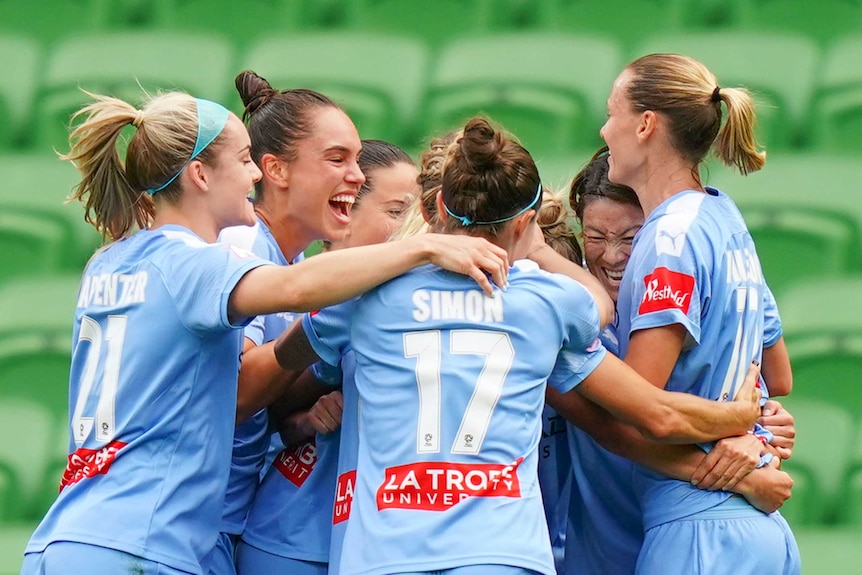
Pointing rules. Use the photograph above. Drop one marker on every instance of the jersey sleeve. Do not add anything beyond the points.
(582, 350)
(772, 331)
(327, 374)
(202, 278)
(328, 330)
(669, 285)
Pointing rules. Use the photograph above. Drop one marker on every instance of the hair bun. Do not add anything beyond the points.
(254, 91)
(480, 146)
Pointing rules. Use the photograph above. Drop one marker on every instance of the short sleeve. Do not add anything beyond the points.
(328, 330)
(201, 278)
(667, 283)
(327, 374)
(772, 330)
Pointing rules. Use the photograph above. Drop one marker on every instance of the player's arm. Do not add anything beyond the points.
(311, 284)
(766, 491)
(261, 379)
(776, 369)
(323, 417)
(668, 416)
(292, 350)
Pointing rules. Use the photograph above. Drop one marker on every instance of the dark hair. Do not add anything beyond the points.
(277, 120)
(592, 184)
(688, 94)
(378, 154)
(488, 176)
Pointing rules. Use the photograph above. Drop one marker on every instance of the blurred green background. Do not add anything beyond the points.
(406, 70)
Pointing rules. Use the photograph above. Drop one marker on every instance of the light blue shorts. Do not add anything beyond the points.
(478, 570)
(253, 561)
(65, 557)
(222, 559)
(718, 542)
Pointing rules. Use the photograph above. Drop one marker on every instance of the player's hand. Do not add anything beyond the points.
(471, 256)
(748, 396)
(730, 460)
(780, 422)
(325, 415)
(766, 488)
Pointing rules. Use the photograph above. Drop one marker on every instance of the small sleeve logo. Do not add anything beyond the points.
(666, 290)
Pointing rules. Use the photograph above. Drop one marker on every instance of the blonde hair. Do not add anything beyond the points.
(555, 219)
(688, 94)
(114, 192)
(412, 223)
(431, 162)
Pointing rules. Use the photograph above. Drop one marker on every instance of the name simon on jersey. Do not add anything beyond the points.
(470, 305)
(439, 485)
(113, 290)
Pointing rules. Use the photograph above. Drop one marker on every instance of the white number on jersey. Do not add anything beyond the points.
(426, 347)
(745, 346)
(114, 335)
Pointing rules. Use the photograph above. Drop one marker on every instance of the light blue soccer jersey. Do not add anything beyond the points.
(694, 263)
(555, 479)
(152, 398)
(605, 533)
(252, 436)
(333, 325)
(452, 386)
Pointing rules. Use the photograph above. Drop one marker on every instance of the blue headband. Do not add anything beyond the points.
(212, 119)
(465, 221)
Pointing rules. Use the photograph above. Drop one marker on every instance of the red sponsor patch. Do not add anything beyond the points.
(343, 497)
(437, 486)
(296, 465)
(85, 463)
(666, 289)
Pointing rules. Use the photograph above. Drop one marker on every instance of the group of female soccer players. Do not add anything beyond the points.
(398, 406)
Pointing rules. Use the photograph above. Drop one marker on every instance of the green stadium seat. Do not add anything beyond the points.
(823, 329)
(245, 22)
(778, 68)
(121, 64)
(549, 89)
(379, 85)
(557, 171)
(821, 457)
(10, 495)
(836, 120)
(27, 455)
(821, 21)
(624, 20)
(803, 212)
(48, 20)
(435, 23)
(21, 58)
(38, 305)
(831, 550)
(13, 540)
(35, 367)
(852, 510)
(40, 233)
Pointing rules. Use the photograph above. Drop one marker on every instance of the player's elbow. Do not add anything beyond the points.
(665, 425)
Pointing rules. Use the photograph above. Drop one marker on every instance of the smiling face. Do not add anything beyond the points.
(324, 177)
(380, 212)
(620, 133)
(234, 176)
(609, 228)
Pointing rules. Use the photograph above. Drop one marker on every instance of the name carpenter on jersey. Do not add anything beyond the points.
(470, 305)
(113, 290)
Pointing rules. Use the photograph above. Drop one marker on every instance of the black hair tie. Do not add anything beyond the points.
(716, 96)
